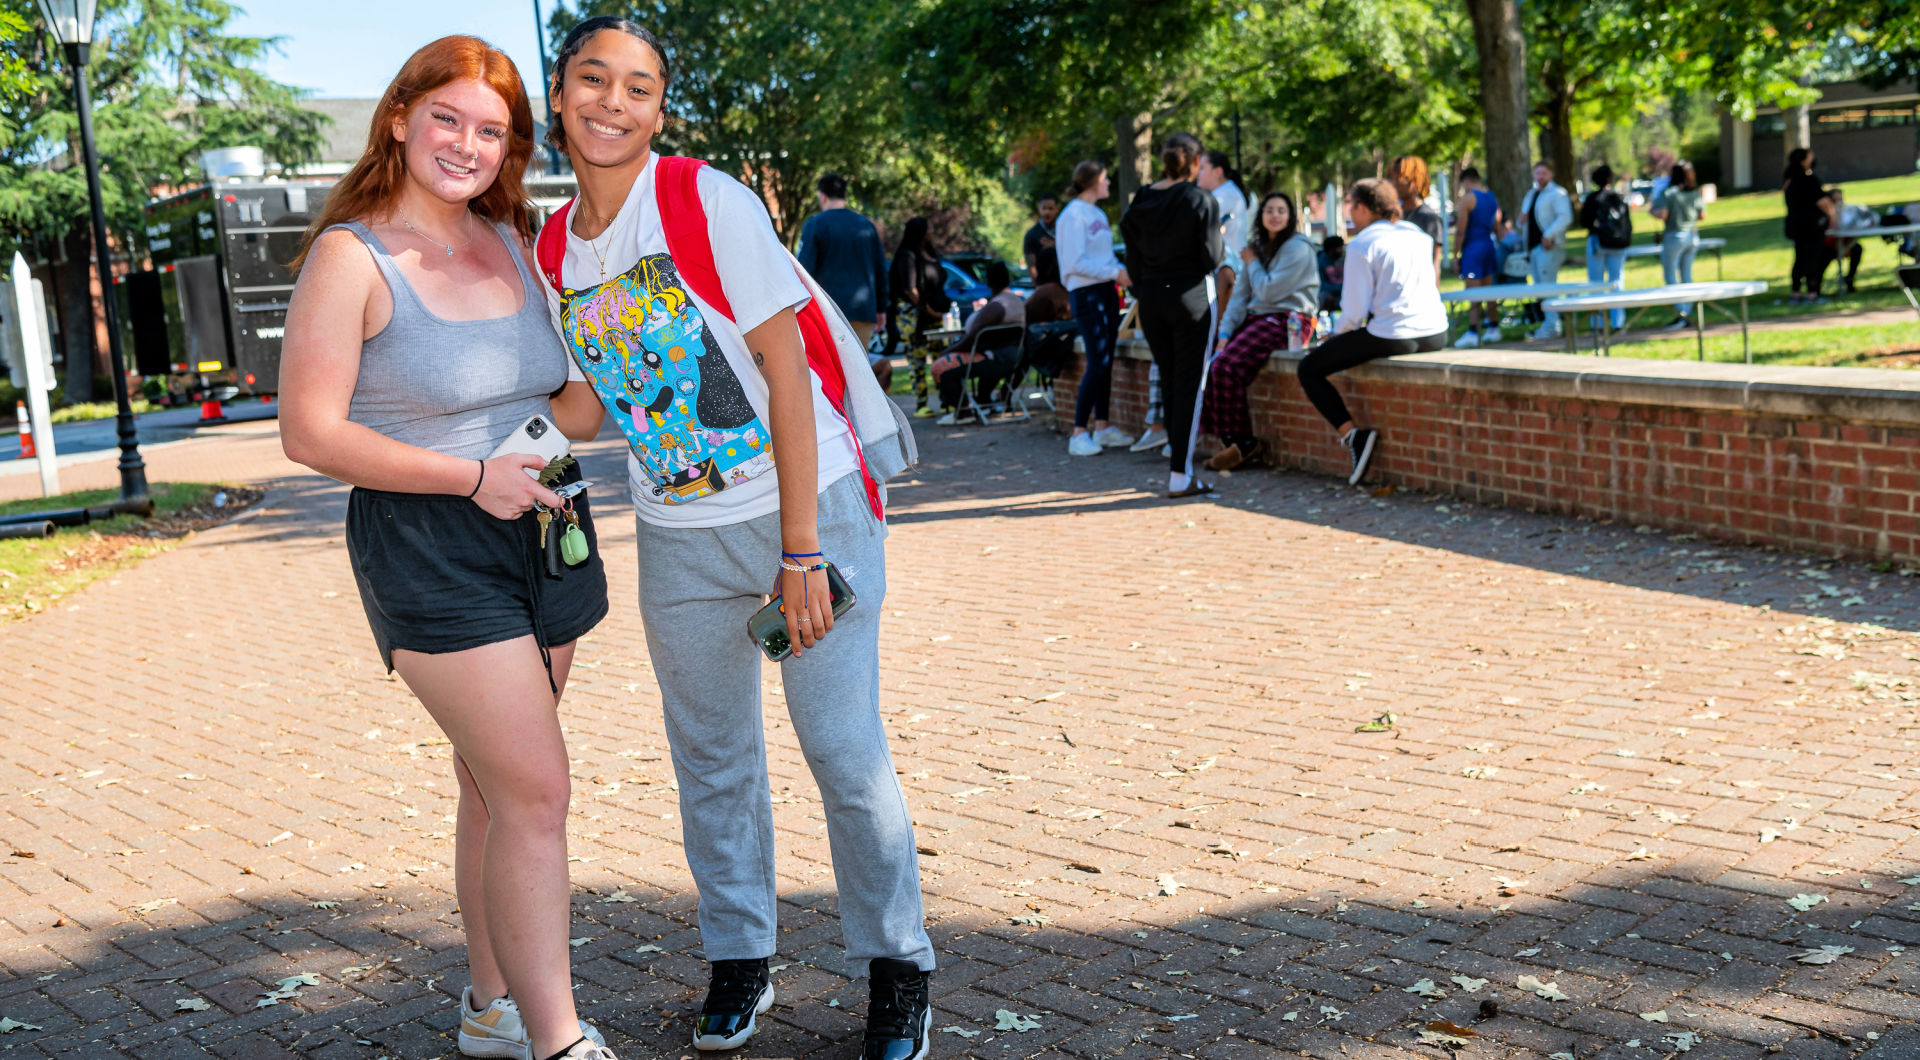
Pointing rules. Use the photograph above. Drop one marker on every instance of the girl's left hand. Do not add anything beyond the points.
(807, 603)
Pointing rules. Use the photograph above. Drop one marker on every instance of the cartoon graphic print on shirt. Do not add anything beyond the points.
(644, 345)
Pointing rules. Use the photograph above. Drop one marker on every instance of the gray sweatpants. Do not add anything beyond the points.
(698, 587)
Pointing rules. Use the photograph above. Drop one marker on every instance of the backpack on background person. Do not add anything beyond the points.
(1613, 222)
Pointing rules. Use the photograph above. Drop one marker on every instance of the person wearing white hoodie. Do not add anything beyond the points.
(1089, 271)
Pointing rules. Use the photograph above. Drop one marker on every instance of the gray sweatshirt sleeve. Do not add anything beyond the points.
(1238, 301)
(1294, 283)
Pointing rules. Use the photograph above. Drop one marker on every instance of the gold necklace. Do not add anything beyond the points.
(599, 255)
(446, 246)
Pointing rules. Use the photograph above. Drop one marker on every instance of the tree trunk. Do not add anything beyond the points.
(1799, 130)
(76, 325)
(1133, 133)
(1503, 98)
(1560, 133)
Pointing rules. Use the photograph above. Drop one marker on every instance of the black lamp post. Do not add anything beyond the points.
(546, 84)
(72, 22)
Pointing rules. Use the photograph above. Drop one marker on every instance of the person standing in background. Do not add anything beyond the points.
(1412, 183)
(1476, 254)
(1089, 270)
(1039, 247)
(1172, 230)
(918, 282)
(1609, 224)
(1682, 206)
(1809, 215)
(1545, 215)
(842, 249)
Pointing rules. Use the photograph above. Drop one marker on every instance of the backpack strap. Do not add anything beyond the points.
(550, 248)
(683, 220)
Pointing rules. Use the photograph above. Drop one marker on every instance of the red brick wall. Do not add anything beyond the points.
(1795, 479)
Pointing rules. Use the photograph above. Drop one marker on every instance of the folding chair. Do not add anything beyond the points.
(1909, 282)
(997, 337)
(1049, 346)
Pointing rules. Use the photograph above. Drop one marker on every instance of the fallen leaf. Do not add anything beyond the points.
(8, 1026)
(295, 982)
(1447, 1032)
(619, 896)
(1550, 991)
(1291, 1016)
(157, 903)
(1642, 854)
(962, 1033)
(1804, 902)
(1425, 988)
(1167, 884)
(578, 942)
(1469, 983)
(190, 1004)
(1329, 1014)
(1383, 723)
(1009, 1020)
(1085, 866)
(1908, 880)
(651, 948)
(1824, 955)
(1683, 1041)
(1479, 772)
(325, 904)
(1655, 1017)
(1035, 920)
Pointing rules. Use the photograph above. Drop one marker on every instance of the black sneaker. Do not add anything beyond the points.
(738, 991)
(900, 1013)
(1360, 446)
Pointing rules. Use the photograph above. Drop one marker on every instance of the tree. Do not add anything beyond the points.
(1002, 69)
(774, 92)
(1503, 98)
(168, 83)
(1591, 57)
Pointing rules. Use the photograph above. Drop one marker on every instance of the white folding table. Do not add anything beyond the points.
(1516, 292)
(1702, 295)
(1845, 238)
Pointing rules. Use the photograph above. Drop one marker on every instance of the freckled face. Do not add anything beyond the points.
(456, 139)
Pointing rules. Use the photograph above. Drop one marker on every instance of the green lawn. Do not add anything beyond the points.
(1860, 346)
(35, 572)
(1756, 250)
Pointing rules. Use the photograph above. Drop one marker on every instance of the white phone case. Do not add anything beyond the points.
(537, 436)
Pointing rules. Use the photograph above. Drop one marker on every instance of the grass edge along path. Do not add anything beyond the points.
(36, 573)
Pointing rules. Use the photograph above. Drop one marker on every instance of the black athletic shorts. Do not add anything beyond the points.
(437, 574)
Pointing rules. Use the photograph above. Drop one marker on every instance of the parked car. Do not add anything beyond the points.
(967, 281)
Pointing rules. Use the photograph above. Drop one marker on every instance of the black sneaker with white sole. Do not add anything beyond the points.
(900, 1013)
(1360, 445)
(737, 992)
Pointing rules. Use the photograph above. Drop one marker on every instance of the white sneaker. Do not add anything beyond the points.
(947, 419)
(588, 1050)
(1545, 332)
(1490, 335)
(1167, 450)
(1467, 341)
(1111, 437)
(1152, 438)
(1083, 445)
(497, 1030)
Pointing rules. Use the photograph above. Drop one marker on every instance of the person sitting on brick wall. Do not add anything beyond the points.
(1272, 308)
(1390, 305)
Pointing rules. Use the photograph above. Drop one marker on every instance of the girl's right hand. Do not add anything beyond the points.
(508, 492)
(1122, 278)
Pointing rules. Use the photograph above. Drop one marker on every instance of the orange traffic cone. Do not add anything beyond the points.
(211, 412)
(26, 430)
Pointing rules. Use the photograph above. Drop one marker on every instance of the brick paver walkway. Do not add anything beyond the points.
(1127, 729)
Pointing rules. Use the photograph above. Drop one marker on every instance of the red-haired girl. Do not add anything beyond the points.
(417, 340)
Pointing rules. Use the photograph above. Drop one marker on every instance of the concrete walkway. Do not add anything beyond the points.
(1653, 774)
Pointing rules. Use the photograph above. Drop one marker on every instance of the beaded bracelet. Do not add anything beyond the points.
(784, 565)
(800, 555)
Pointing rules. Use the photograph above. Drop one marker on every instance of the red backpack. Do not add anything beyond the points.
(676, 187)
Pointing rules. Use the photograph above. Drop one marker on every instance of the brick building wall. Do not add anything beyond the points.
(1826, 459)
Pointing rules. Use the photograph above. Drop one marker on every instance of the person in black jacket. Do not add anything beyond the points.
(1172, 231)
(1809, 214)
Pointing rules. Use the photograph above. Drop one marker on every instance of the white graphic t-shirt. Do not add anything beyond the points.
(673, 372)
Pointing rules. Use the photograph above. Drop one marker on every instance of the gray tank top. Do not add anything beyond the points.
(455, 386)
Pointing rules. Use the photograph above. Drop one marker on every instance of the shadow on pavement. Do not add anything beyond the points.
(1022, 470)
(1230, 966)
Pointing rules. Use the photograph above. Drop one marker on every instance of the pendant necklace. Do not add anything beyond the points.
(600, 255)
(448, 247)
